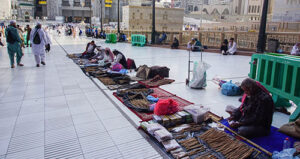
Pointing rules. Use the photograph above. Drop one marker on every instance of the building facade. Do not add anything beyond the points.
(22, 10)
(82, 10)
(5, 9)
(139, 18)
(284, 11)
(40, 9)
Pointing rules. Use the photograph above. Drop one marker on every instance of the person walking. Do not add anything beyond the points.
(28, 30)
(39, 40)
(13, 44)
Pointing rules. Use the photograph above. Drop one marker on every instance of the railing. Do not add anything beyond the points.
(66, 3)
(213, 39)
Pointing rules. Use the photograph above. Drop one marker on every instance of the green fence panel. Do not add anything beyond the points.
(111, 38)
(138, 40)
(280, 74)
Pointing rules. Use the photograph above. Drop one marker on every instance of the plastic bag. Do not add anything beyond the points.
(180, 127)
(178, 153)
(117, 67)
(152, 99)
(163, 135)
(170, 145)
(285, 154)
(166, 107)
(231, 89)
(199, 75)
(198, 113)
(151, 128)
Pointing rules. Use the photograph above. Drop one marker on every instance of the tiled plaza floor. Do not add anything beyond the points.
(55, 111)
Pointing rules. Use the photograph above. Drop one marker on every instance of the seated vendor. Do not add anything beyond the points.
(224, 47)
(104, 55)
(120, 58)
(195, 45)
(254, 117)
(232, 47)
(99, 55)
(90, 50)
(175, 43)
(163, 38)
(296, 50)
(122, 37)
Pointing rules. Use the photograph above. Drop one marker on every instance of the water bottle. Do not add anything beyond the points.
(286, 143)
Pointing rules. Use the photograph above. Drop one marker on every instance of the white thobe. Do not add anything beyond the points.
(39, 49)
(295, 50)
(232, 48)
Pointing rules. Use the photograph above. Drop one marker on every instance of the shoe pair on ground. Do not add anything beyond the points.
(13, 66)
(43, 63)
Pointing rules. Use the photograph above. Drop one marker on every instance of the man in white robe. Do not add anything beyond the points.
(232, 47)
(296, 50)
(38, 49)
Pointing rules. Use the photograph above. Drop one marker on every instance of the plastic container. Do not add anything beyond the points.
(286, 143)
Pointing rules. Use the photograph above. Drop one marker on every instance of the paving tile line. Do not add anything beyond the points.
(142, 133)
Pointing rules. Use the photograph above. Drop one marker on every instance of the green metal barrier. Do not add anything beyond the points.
(138, 40)
(280, 74)
(111, 38)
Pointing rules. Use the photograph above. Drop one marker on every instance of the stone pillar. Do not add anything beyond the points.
(200, 36)
(180, 38)
(222, 36)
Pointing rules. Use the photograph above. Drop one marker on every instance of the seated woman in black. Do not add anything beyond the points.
(175, 44)
(254, 117)
(224, 46)
(120, 58)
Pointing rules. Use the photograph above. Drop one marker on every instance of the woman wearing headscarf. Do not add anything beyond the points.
(120, 58)
(254, 117)
(39, 41)
(296, 50)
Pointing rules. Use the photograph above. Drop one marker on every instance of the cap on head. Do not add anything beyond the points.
(12, 22)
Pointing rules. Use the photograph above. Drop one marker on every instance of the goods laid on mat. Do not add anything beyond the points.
(74, 56)
(144, 102)
(144, 72)
(182, 138)
(272, 142)
(156, 81)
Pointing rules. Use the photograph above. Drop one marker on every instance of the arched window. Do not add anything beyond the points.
(215, 12)
(196, 9)
(225, 12)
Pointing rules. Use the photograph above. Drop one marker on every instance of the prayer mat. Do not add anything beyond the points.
(159, 93)
(107, 81)
(73, 56)
(156, 82)
(272, 142)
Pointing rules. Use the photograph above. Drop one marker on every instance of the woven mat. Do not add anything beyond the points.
(150, 84)
(160, 93)
(107, 81)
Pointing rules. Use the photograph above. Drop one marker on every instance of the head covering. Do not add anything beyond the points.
(111, 55)
(12, 22)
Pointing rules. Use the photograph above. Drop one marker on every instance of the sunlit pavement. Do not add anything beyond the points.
(55, 111)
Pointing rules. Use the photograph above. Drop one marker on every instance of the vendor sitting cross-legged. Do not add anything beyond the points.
(254, 117)
(104, 56)
(89, 51)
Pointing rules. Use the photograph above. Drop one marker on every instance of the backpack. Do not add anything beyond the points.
(131, 64)
(231, 89)
(158, 70)
(36, 37)
(143, 72)
(10, 39)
